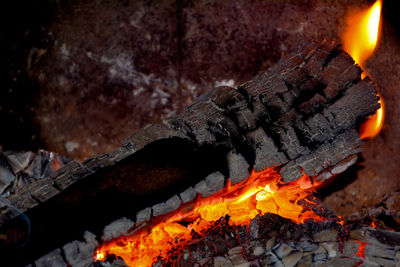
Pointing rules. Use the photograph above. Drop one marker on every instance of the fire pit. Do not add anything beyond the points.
(230, 180)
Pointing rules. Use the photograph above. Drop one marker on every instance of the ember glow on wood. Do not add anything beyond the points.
(299, 119)
(360, 40)
(261, 193)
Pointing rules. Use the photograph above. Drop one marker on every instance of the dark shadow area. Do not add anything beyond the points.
(390, 13)
(22, 27)
(150, 176)
(340, 181)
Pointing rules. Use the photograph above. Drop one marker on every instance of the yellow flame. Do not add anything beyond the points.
(373, 125)
(100, 255)
(360, 40)
(361, 36)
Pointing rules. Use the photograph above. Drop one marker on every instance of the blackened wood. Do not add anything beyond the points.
(302, 115)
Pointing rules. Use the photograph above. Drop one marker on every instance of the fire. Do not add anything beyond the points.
(360, 40)
(100, 256)
(262, 192)
(361, 252)
(373, 125)
(361, 36)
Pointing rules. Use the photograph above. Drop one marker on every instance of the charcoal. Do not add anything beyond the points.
(266, 151)
(292, 259)
(331, 248)
(246, 120)
(308, 246)
(119, 154)
(80, 254)
(337, 168)
(69, 175)
(117, 228)
(39, 166)
(215, 182)
(220, 261)
(283, 250)
(188, 195)
(23, 201)
(220, 245)
(379, 261)
(258, 251)
(325, 236)
(275, 260)
(149, 134)
(43, 189)
(170, 205)
(342, 166)
(382, 252)
(6, 178)
(254, 228)
(320, 257)
(350, 248)
(143, 215)
(270, 244)
(236, 256)
(238, 167)
(210, 185)
(173, 203)
(97, 162)
(19, 160)
(325, 175)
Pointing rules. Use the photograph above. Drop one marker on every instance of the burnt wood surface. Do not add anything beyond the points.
(302, 115)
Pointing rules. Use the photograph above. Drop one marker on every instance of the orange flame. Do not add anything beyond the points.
(360, 40)
(360, 253)
(262, 192)
(100, 256)
(373, 125)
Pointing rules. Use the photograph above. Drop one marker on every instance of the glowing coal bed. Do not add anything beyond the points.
(261, 193)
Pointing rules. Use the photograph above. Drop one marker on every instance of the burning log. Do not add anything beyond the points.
(301, 115)
(299, 119)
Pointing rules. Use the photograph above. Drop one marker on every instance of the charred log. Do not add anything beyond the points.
(302, 115)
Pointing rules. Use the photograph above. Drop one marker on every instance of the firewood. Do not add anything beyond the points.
(302, 116)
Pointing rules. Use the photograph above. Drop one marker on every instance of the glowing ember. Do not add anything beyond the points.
(261, 193)
(360, 40)
(360, 253)
(100, 256)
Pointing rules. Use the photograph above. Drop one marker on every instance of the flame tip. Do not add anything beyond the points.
(360, 41)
